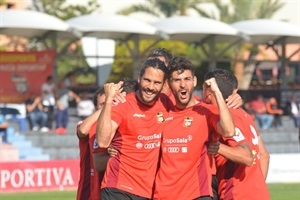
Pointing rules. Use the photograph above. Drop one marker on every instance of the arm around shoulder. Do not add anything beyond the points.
(239, 154)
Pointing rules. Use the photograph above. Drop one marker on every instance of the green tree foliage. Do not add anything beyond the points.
(228, 12)
(64, 11)
(123, 64)
(163, 8)
(238, 10)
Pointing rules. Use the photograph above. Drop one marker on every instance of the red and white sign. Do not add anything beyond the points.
(39, 176)
(22, 73)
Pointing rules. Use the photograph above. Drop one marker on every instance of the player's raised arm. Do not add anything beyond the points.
(106, 127)
(225, 126)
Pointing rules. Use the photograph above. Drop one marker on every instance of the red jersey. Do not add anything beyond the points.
(96, 177)
(137, 139)
(184, 171)
(237, 181)
(83, 190)
(90, 179)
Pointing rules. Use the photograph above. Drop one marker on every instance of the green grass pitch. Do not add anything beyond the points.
(277, 191)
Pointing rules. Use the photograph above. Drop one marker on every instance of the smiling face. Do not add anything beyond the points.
(182, 84)
(150, 85)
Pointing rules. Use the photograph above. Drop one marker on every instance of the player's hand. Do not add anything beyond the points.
(120, 97)
(211, 84)
(234, 101)
(112, 151)
(111, 90)
(213, 148)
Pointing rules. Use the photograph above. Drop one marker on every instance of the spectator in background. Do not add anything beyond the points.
(85, 107)
(36, 116)
(3, 128)
(293, 109)
(273, 109)
(70, 80)
(258, 107)
(48, 100)
(64, 95)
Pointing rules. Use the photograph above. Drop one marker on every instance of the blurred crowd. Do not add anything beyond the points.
(268, 113)
(48, 111)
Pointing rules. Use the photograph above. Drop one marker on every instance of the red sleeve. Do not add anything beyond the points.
(81, 139)
(240, 135)
(118, 112)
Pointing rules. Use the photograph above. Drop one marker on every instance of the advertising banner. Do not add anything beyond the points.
(23, 73)
(39, 176)
(284, 168)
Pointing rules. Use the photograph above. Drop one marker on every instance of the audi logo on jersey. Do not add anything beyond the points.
(173, 149)
(153, 145)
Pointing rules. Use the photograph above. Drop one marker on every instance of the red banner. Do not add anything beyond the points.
(39, 176)
(23, 73)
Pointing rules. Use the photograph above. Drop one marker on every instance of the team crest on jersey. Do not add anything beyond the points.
(238, 135)
(96, 146)
(188, 121)
(160, 117)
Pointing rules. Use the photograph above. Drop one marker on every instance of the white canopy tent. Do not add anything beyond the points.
(201, 31)
(117, 27)
(274, 34)
(264, 31)
(32, 24)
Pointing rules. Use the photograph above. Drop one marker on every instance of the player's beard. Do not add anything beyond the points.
(183, 98)
(148, 97)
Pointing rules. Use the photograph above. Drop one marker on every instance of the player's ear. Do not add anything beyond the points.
(195, 81)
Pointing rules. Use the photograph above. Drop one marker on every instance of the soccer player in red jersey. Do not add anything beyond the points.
(242, 161)
(136, 127)
(89, 158)
(165, 56)
(89, 183)
(184, 171)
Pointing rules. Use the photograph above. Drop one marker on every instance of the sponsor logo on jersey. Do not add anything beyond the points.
(138, 115)
(168, 118)
(184, 149)
(139, 145)
(150, 145)
(149, 137)
(173, 149)
(178, 140)
(187, 121)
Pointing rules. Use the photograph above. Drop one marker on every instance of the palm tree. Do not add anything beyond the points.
(239, 10)
(163, 8)
(232, 11)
